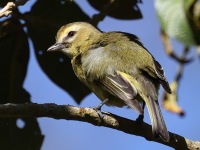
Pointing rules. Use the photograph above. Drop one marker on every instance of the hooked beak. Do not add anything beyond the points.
(56, 47)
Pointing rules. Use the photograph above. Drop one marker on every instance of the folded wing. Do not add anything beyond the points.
(121, 87)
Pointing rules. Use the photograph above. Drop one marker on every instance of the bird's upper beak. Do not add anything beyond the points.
(56, 47)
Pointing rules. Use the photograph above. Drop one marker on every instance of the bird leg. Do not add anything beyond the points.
(168, 49)
(98, 108)
(140, 118)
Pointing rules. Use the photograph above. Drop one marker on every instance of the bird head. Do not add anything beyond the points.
(75, 37)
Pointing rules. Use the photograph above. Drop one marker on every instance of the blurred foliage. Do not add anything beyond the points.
(129, 8)
(179, 19)
(41, 25)
(3, 3)
(46, 22)
(170, 100)
(14, 56)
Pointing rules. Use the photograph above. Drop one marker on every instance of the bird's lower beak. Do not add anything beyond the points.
(56, 47)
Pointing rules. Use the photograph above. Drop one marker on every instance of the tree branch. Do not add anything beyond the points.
(91, 116)
(7, 10)
(4, 12)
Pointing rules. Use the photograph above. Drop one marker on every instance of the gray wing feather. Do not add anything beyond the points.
(120, 87)
(161, 75)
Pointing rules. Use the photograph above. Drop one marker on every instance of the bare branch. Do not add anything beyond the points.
(7, 10)
(169, 50)
(91, 116)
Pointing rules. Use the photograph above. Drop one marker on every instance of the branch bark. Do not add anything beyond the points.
(89, 115)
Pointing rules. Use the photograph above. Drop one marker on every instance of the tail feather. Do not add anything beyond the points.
(158, 125)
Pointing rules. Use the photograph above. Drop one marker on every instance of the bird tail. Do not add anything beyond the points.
(158, 125)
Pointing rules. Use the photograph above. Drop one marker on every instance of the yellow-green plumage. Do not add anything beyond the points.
(115, 66)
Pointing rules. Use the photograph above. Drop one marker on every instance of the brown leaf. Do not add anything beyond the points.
(169, 101)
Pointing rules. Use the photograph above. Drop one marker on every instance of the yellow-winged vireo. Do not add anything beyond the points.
(115, 66)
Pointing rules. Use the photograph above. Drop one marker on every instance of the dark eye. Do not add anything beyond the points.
(71, 33)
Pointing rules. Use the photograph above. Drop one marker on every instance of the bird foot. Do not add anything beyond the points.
(98, 108)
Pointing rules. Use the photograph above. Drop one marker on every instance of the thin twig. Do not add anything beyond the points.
(169, 50)
(181, 65)
(170, 100)
(89, 115)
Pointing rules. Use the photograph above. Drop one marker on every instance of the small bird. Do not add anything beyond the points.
(117, 68)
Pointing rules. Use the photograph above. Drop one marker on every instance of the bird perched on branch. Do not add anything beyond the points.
(117, 68)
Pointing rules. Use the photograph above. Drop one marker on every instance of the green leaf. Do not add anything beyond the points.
(192, 11)
(14, 56)
(43, 22)
(126, 9)
(173, 20)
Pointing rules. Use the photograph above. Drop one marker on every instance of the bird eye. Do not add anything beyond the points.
(71, 33)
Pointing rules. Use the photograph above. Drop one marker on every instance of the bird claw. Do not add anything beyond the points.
(98, 108)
